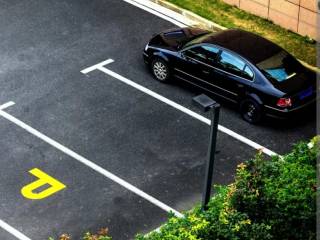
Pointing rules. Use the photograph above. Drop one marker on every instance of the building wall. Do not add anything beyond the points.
(301, 16)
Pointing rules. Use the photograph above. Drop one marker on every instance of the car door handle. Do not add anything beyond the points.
(205, 72)
(240, 85)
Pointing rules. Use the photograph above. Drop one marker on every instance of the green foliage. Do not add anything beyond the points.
(190, 227)
(89, 236)
(280, 193)
(270, 199)
(102, 234)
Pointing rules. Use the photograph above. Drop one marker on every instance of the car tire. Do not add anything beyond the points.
(160, 70)
(251, 111)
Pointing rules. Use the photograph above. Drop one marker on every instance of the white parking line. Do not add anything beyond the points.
(88, 163)
(177, 106)
(94, 67)
(161, 12)
(13, 231)
(6, 105)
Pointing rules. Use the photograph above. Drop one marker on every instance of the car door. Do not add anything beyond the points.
(207, 66)
(233, 75)
(194, 64)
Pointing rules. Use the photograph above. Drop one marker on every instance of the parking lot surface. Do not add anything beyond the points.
(77, 128)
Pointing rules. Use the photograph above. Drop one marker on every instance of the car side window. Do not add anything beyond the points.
(205, 54)
(231, 63)
(247, 73)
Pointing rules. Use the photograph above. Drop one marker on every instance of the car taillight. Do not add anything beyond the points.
(284, 102)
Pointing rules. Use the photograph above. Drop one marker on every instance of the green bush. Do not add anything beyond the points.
(280, 193)
(102, 234)
(270, 199)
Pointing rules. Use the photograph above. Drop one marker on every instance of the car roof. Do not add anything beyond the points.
(249, 45)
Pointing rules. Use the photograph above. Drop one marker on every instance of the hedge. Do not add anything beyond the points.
(269, 199)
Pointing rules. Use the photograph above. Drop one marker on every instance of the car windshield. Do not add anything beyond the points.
(280, 67)
(197, 40)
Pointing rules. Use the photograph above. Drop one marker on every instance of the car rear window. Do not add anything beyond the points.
(280, 67)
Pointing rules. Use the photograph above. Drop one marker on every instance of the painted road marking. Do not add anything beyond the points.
(6, 105)
(161, 12)
(89, 164)
(13, 231)
(94, 67)
(43, 179)
(100, 67)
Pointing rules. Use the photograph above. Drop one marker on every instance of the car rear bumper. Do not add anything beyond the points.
(289, 113)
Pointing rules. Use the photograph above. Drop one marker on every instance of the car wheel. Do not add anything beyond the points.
(251, 111)
(160, 70)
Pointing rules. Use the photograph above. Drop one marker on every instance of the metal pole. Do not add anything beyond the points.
(211, 155)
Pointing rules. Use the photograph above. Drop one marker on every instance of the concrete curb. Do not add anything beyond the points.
(207, 24)
(198, 20)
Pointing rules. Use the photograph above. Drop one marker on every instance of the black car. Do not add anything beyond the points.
(258, 75)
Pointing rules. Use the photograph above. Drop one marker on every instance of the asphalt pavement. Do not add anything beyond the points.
(152, 146)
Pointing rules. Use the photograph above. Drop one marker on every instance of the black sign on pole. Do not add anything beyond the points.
(207, 104)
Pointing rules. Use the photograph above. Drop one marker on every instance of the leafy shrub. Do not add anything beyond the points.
(270, 199)
(102, 234)
(280, 193)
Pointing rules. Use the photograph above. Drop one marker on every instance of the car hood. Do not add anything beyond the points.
(175, 38)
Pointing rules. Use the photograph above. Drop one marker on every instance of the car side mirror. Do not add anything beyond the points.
(184, 54)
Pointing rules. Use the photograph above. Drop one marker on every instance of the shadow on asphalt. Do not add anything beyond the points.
(300, 120)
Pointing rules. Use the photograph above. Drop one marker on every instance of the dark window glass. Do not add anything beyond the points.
(247, 73)
(206, 54)
(279, 67)
(231, 63)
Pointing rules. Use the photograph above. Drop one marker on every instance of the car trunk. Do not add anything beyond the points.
(301, 88)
